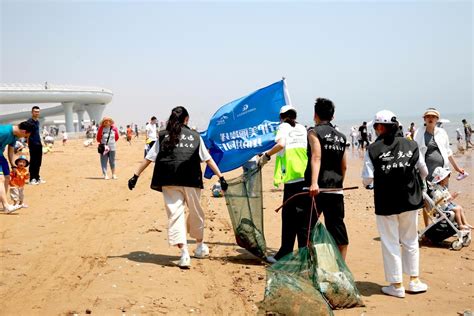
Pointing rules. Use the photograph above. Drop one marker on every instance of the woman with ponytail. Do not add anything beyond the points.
(178, 154)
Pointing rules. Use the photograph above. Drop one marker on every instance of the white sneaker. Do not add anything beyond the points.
(271, 259)
(184, 261)
(114, 177)
(40, 181)
(393, 291)
(417, 287)
(34, 182)
(106, 177)
(11, 208)
(202, 251)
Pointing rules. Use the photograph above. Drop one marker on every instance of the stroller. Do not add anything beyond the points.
(443, 225)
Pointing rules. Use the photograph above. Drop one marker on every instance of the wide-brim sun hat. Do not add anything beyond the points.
(432, 112)
(22, 157)
(105, 119)
(440, 173)
(287, 108)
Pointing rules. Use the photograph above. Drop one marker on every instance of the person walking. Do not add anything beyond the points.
(136, 131)
(129, 135)
(290, 166)
(396, 168)
(363, 135)
(151, 134)
(331, 173)
(108, 135)
(412, 130)
(17, 181)
(467, 133)
(36, 148)
(8, 137)
(433, 143)
(178, 154)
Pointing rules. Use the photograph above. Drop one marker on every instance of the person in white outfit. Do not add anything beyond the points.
(178, 154)
(434, 146)
(394, 166)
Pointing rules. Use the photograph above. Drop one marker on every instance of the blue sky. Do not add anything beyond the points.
(365, 56)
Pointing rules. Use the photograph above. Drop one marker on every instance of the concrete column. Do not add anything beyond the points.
(95, 111)
(69, 116)
(80, 118)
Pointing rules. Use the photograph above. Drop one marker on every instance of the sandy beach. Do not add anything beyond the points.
(87, 245)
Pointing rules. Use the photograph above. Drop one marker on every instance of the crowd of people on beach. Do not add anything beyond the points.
(398, 166)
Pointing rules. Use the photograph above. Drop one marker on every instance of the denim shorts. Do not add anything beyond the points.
(450, 207)
(4, 168)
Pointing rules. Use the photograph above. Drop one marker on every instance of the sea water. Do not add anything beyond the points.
(344, 126)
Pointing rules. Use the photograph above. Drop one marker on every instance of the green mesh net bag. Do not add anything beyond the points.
(319, 265)
(245, 206)
(332, 276)
(290, 288)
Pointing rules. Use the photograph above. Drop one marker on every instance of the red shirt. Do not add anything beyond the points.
(19, 177)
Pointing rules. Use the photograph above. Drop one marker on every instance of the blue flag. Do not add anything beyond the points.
(245, 127)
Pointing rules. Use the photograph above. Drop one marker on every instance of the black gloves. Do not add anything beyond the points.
(223, 183)
(132, 182)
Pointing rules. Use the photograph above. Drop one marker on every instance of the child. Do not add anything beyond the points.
(442, 196)
(64, 138)
(129, 134)
(17, 181)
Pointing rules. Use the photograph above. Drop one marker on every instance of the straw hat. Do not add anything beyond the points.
(433, 112)
(106, 118)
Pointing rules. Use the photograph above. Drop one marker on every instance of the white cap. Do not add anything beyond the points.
(287, 108)
(440, 173)
(384, 117)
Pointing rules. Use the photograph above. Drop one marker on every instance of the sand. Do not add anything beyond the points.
(87, 245)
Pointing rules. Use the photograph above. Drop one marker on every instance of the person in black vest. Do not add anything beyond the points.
(396, 168)
(36, 148)
(331, 173)
(177, 155)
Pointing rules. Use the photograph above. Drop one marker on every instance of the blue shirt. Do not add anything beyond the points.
(35, 137)
(6, 137)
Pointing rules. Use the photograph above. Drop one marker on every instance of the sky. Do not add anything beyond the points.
(366, 56)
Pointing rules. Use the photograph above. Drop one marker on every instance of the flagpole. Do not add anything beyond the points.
(286, 94)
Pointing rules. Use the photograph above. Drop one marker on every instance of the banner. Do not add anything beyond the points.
(245, 127)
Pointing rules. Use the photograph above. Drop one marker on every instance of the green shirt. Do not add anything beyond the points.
(291, 161)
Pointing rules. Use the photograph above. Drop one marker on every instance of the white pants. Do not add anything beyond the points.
(17, 195)
(396, 230)
(175, 197)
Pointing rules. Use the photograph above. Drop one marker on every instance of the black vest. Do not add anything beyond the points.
(397, 183)
(333, 145)
(180, 166)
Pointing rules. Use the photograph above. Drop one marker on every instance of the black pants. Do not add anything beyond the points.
(36, 157)
(295, 218)
(332, 206)
(363, 141)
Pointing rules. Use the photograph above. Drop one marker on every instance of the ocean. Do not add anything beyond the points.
(454, 123)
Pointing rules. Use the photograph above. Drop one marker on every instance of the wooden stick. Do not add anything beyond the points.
(320, 191)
